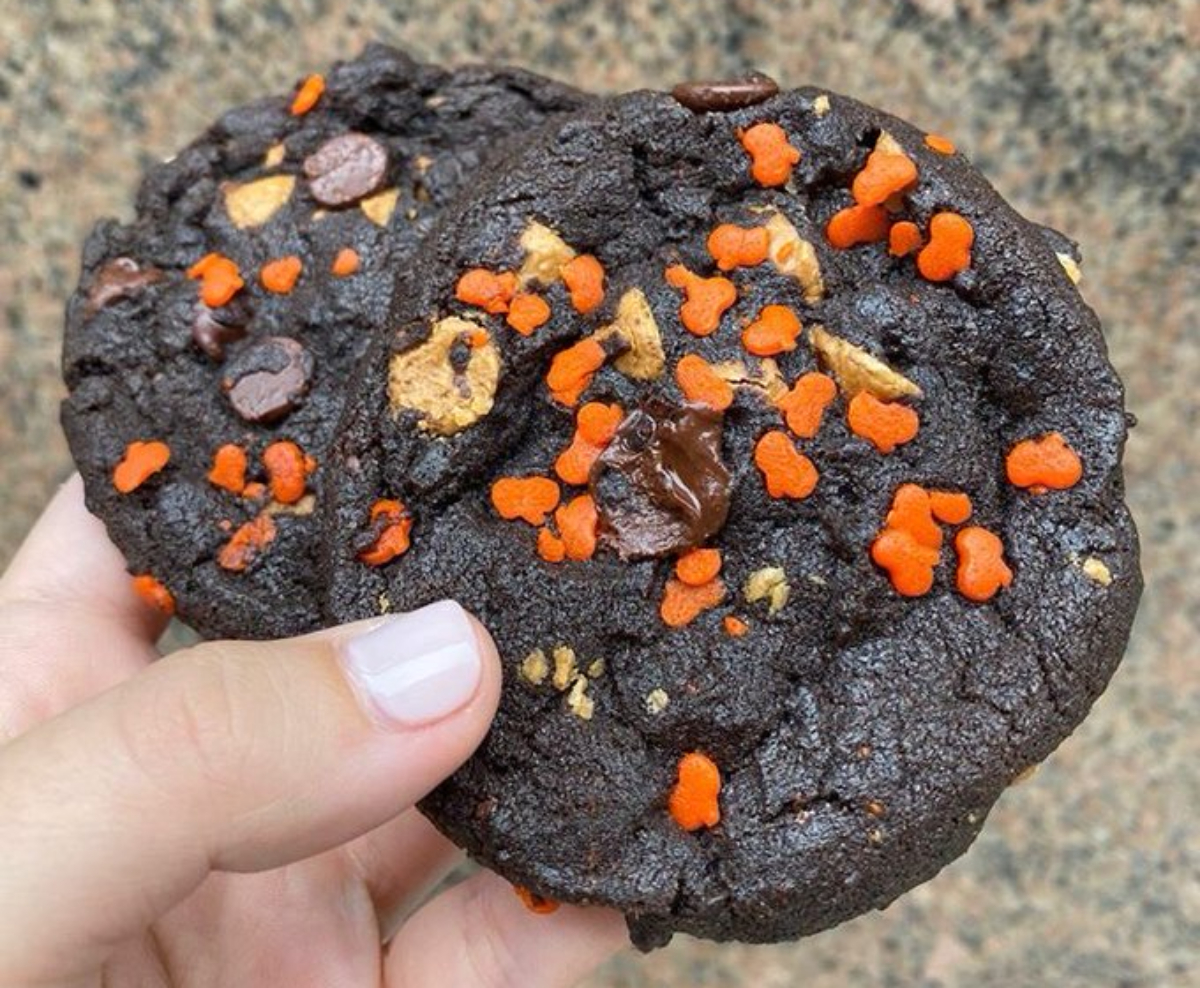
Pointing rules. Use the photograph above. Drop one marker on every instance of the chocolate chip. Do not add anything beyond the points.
(660, 486)
(212, 329)
(725, 95)
(268, 379)
(345, 169)
(120, 278)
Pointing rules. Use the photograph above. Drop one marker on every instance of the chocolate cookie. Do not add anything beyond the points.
(783, 460)
(209, 343)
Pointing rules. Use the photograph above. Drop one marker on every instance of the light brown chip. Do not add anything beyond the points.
(768, 378)
(635, 324)
(794, 256)
(857, 370)
(379, 207)
(770, 584)
(545, 254)
(251, 204)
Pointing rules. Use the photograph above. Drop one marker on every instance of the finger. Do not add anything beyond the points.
(70, 624)
(480, 934)
(233, 756)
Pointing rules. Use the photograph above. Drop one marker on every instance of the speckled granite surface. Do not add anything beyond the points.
(1084, 114)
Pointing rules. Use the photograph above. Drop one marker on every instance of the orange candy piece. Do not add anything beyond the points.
(982, 571)
(577, 521)
(229, 469)
(219, 279)
(533, 902)
(246, 544)
(804, 405)
(904, 238)
(912, 512)
(152, 592)
(857, 225)
(307, 95)
(595, 425)
(584, 277)
(940, 144)
(771, 156)
(528, 498)
(693, 802)
(1043, 463)
(527, 313)
(735, 246)
(572, 369)
(550, 547)
(698, 566)
(950, 507)
(682, 604)
(885, 174)
(701, 384)
(884, 424)
(786, 471)
(142, 460)
(345, 263)
(773, 332)
(394, 537)
(486, 290)
(949, 249)
(909, 564)
(734, 627)
(707, 299)
(280, 276)
(287, 470)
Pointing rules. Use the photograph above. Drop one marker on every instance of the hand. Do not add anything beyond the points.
(240, 813)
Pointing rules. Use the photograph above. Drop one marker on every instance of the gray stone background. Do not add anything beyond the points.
(1082, 113)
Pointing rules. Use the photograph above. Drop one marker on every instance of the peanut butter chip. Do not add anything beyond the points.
(770, 584)
(857, 370)
(579, 703)
(251, 204)
(794, 256)
(379, 207)
(1071, 266)
(1096, 571)
(301, 508)
(656, 701)
(425, 380)
(535, 667)
(545, 254)
(635, 324)
(565, 669)
(274, 156)
(821, 105)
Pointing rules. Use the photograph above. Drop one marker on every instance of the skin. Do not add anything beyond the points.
(230, 815)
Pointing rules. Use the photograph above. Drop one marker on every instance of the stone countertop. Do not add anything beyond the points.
(1082, 112)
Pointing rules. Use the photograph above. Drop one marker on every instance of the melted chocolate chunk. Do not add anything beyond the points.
(212, 329)
(727, 94)
(268, 379)
(660, 485)
(120, 278)
(345, 169)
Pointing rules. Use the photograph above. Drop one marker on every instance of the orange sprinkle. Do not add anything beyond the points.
(940, 144)
(884, 424)
(528, 498)
(700, 383)
(280, 276)
(246, 543)
(908, 563)
(287, 470)
(950, 507)
(707, 299)
(857, 225)
(735, 246)
(694, 799)
(307, 95)
(142, 460)
(550, 547)
(912, 512)
(534, 902)
(477, 338)
(1045, 463)
(572, 369)
(219, 279)
(229, 469)
(981, 567)
(771, 156)
(949, 247)
(577, 521)
(527, 312)
(804, 405)
(154, 593)
(885, 174)
(698, 566)
(904, 238)
(595, 425)
(253, 491)
(682, 604)
(786, 471)
(346, 263)
(734, 627)
(774, 331)
(584, 277)
(487, 290)
(394, 536)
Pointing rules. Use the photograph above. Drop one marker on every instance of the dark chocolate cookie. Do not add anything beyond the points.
(783, 460)
(210, 341)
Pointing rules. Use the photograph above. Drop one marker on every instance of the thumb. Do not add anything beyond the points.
(236, 756)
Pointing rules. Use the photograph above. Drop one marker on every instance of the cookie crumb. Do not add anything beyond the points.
(581, 705)
(565, 669)
(1027, 773)
(1096, 571)
(875, 836)
(385, 604)
(1071, 267)
(534, 667)
(875, 808)
(656, 701)
(769, 583)
(596, 669)
(821, 105)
